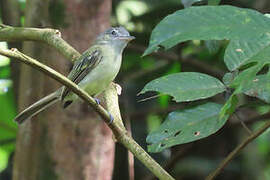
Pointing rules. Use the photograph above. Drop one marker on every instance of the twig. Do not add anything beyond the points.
(119, 132)
(257, 118)
(243, 124)
(173, 160)
(148, 98)
(51, 37)
(237, 150)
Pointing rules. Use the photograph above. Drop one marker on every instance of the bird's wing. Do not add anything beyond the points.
(89, 60)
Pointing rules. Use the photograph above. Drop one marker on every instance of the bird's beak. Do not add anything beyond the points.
(127, 38)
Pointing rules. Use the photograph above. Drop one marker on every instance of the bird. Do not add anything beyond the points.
(94, 70)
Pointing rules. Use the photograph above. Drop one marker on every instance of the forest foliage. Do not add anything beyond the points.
(192, 102)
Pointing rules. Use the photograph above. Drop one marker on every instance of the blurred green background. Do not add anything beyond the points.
(188, 161)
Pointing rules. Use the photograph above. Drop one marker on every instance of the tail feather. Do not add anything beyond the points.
(37, 107)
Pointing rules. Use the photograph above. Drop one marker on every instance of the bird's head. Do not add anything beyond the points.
(116, 36)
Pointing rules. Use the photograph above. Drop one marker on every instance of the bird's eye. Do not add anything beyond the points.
(113, 32)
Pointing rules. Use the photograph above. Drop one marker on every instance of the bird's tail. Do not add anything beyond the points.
(37, 107)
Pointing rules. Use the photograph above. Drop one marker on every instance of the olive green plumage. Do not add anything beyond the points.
(93, 71)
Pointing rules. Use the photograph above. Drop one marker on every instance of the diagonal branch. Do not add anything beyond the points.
(53, 38)
(120, 133)
(237, 150)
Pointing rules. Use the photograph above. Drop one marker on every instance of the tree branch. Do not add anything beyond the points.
(120, 133)
(257, 118)
(237, 150)
(51, 37)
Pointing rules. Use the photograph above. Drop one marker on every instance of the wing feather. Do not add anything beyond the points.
(89, 61)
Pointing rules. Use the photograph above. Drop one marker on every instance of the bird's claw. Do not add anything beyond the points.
(97, 101)
(111, 118)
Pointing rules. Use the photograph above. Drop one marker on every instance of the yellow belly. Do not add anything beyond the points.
(100, 77)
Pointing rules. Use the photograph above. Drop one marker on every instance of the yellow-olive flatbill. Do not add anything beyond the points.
(93, 71)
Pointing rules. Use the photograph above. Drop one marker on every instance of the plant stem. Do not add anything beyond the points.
(120, 133)
(250, 138)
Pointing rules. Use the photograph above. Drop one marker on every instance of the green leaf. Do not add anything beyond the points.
(5, 71)
(164, 101)
(258, 87)
(242, 84)
(186, 126)
(246, 75)
(208, 23)
(228, 78)
(241, 52)
(153, 122)
(262, 57)
(4, 61)
(186, 86)
(8, 128)
(230, 106)
(4, 159)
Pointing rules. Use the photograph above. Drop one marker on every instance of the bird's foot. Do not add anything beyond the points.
(111, 118)
(97, 101)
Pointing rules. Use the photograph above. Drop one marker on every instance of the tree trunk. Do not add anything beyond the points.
(62, 144)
